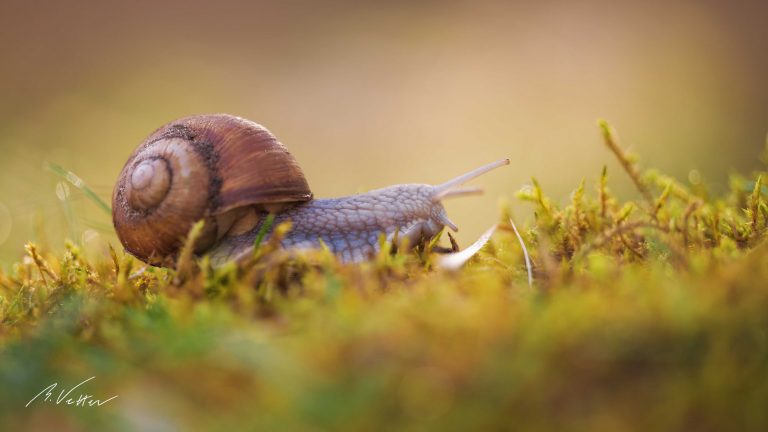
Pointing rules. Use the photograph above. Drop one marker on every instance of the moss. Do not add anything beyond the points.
(649, 314)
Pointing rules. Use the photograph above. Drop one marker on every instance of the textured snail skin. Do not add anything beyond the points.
(351, 226)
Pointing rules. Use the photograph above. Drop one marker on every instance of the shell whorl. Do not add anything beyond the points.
(149, 184)
(195, 168)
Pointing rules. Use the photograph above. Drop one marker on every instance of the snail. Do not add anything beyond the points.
(232, 172)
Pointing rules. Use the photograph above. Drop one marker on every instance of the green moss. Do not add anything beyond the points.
(649, 314)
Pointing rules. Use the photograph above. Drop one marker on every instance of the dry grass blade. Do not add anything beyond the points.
(41, 264)
(525, 252)
(456, 260)
(186, 261)
(755, 205)
(610, 140)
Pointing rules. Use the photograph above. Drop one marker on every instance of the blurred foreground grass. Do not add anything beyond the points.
(644, 315)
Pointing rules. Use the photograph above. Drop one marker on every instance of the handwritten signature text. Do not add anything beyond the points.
(81, 400)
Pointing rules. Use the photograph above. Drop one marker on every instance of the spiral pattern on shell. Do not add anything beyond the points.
(199, 167)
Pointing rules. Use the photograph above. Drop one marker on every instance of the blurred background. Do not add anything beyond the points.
(369, 94)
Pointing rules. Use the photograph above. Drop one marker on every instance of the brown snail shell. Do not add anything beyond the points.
(200, 167)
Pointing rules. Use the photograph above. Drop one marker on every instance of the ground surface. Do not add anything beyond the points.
(644, 315)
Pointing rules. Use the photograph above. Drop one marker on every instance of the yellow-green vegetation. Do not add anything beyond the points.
(644, 315)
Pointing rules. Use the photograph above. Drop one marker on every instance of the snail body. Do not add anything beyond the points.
(232, 173)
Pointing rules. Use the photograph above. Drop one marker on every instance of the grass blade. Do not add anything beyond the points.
(265, 227)
(77, 182)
